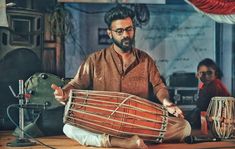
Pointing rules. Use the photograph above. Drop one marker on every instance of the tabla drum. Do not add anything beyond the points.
(221, 116)
(117, 114)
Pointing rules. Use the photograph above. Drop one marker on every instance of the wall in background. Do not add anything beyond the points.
(177, 38)
(226, 55)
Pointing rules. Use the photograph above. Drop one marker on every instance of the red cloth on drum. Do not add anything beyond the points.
(206, 92)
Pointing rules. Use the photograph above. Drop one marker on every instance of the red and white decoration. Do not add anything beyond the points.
(222, 11)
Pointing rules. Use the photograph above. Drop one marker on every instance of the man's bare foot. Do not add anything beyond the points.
(131, 143)
(136, 142)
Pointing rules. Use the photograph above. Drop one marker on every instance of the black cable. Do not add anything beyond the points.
(9, 116)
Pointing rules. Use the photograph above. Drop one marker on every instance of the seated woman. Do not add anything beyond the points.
(210, 86)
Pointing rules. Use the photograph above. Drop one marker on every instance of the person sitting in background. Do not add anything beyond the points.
(210, 86)
(122, 68)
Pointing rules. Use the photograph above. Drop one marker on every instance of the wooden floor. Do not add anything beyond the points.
(61, 142)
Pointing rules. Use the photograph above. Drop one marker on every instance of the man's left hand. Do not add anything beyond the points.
(175, 110)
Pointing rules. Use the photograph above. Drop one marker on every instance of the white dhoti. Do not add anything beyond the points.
(85, 137)
(177, 130)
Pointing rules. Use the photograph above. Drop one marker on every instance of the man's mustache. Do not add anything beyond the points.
(126, 39)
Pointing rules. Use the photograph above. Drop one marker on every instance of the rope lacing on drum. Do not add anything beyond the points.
(120, 105)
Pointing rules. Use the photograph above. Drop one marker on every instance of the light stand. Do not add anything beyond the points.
(21, 141)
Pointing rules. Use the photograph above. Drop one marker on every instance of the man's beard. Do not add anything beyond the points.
(125, 47)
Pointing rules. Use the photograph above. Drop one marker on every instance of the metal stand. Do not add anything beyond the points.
(21, 141)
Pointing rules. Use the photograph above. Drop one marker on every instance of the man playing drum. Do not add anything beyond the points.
(122, 68)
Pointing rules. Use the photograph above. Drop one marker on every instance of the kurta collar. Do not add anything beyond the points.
(118, 62)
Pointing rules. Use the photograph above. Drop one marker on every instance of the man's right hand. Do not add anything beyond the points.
(59, 94)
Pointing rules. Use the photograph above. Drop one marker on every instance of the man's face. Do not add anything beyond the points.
(122, 33)
(206, 74)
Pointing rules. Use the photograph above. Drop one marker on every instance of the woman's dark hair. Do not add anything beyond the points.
(210, 63)
(118, 12)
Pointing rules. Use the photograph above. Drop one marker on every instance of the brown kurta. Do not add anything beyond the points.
(103, 70)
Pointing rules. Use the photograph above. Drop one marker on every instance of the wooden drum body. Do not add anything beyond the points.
(117, 114)
(221, 116)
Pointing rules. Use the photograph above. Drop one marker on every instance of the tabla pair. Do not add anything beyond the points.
(221, 117)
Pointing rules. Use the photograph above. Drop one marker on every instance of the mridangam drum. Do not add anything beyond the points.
(221, 116)
(117, 114)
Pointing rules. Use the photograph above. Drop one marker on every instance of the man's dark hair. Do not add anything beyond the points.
(210, 63)
(118, 12)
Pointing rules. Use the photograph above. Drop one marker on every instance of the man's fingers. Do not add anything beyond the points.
(58, 90)
(59, 97)
(176, 111)
(58, 93)
(180, 114)
(54, 87)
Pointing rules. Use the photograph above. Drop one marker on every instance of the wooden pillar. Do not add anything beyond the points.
(60, 54)
(53, 52)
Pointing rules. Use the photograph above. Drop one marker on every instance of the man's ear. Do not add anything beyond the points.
(109, 34)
